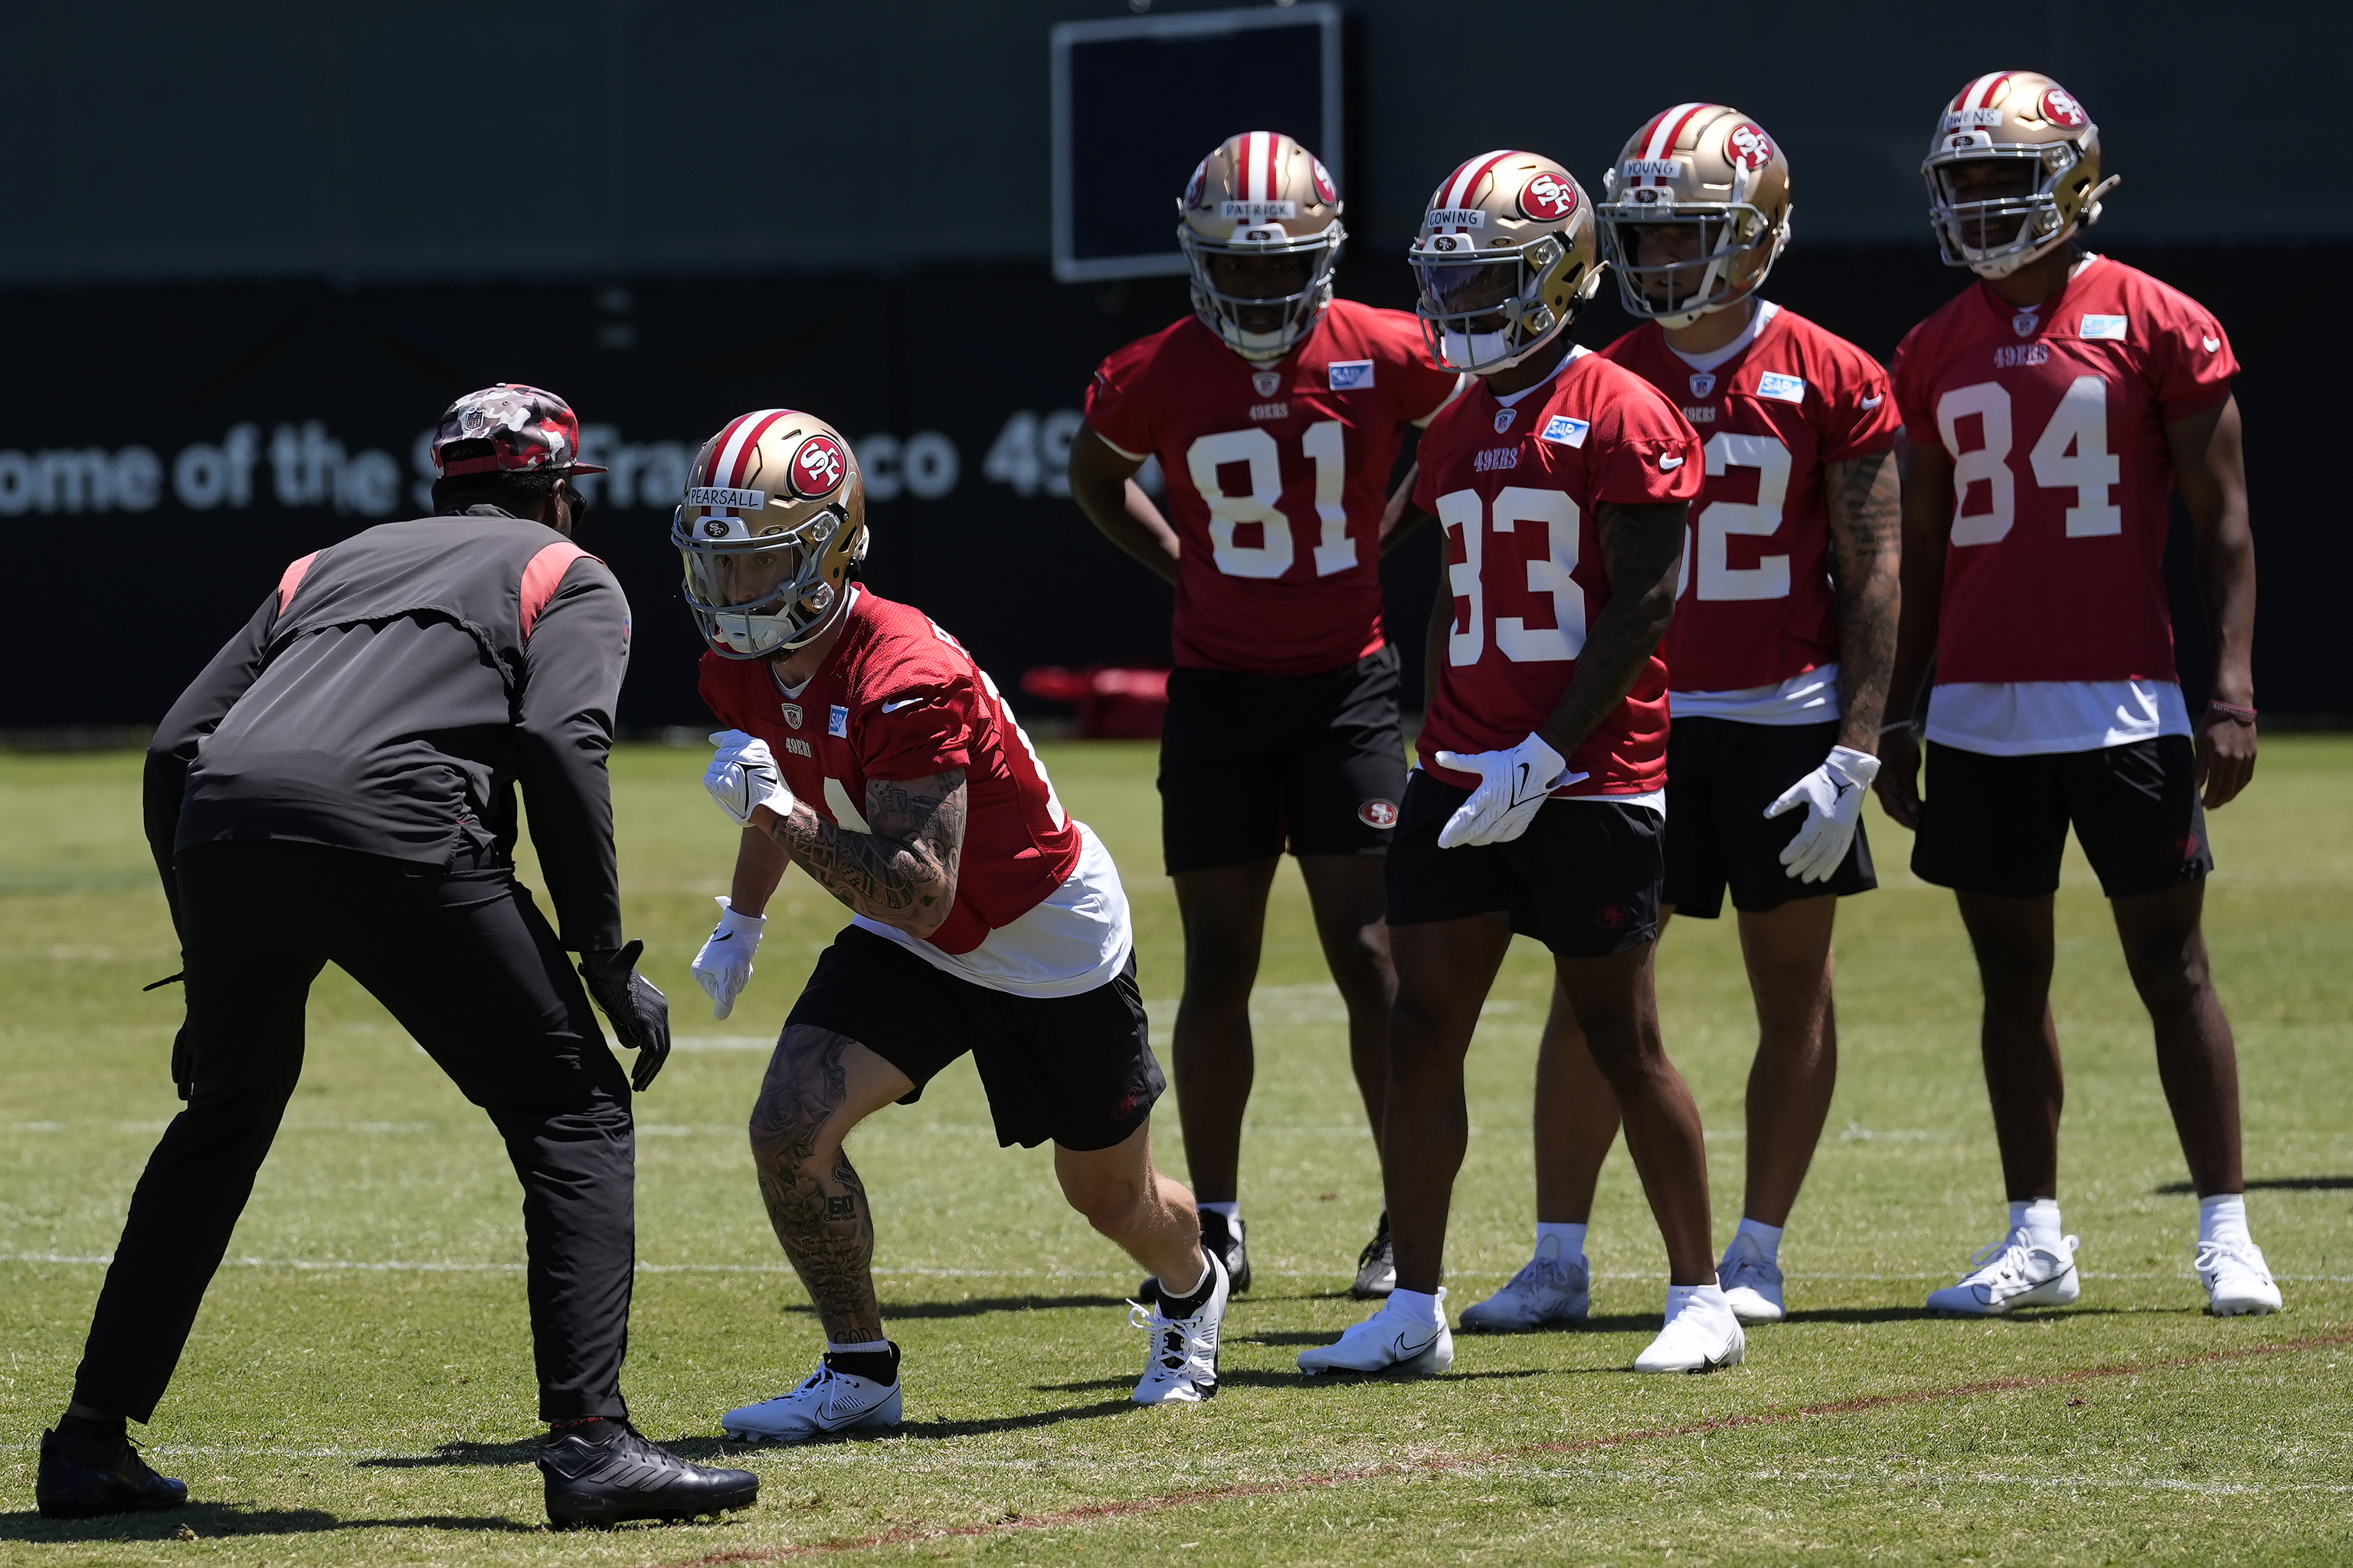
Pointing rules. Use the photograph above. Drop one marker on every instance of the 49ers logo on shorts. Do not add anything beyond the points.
(1548, 198)
(1749, 145)
(1377, 813)
(818, 468)
(2060, 108)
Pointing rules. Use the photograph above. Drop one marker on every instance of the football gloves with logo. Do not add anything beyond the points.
(1832, 796)
(639, 1013)
(744, 777)
(725, 966)
(1513, 786)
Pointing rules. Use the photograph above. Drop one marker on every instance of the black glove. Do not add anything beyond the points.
(640, 1012)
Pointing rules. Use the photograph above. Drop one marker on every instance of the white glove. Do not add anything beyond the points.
(1513, 786)
(725, 966)
(744, 777)
(1832, 795)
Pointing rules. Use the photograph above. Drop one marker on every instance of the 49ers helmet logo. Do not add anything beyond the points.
(1748, 146)
(1548, 198)
(818, 467)
(1193, 186)
(2060, 108)
(1325, 191)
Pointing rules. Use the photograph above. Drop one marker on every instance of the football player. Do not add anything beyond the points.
(1777, 662)
(864, 745)
(1276, 412)
(1563, 483)
(2051, 409)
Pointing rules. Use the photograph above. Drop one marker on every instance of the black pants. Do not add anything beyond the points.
(469, 966)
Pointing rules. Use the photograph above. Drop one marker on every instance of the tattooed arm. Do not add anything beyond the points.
(1866, 551)
(903, 870)
(1642, 548)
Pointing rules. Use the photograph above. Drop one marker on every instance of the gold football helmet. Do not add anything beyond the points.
(773, 520)
(1505, 259)
(1711, 171)
(1260, 193)
(2025, 120)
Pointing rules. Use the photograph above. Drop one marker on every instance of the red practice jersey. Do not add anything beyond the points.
(899, 698)
(1755, 605)
(1277, 475)
(2055, 420)
(1516, 489)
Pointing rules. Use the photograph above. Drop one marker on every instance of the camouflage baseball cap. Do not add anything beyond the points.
(527, 429)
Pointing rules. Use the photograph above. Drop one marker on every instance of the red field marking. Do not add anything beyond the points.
(1162, 1502)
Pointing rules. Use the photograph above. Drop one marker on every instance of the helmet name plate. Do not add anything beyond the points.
(728, 500)
(1456, 217)
(1258, 211)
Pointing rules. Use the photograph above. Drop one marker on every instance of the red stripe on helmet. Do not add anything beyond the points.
(1466, 179)
(1667, 147)
(1274, 164)
(1993, 85)
(751, 445)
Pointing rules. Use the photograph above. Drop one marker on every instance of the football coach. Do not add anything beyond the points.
(338, 787)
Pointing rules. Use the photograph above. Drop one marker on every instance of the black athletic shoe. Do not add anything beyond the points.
(1376, 1265)
(1226, 1244)
(622, 1475)
(1224, 1238)
(82, 1477)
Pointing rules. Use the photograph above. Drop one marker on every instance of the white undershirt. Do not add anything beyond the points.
(1811, 697)
(1765, 310)
(2024, 718)
(1078, 939)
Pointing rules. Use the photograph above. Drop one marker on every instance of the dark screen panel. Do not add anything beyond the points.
(1144, 110)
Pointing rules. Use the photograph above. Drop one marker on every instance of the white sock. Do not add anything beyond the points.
(1232, 1211)
(2223, 1218)
(1679, 1297)
(1766, 1237)
(2040, 1221)
(1572, 1237)
(1414, 1304)
(863, 1348)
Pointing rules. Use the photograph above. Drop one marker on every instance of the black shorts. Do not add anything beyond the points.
(1076, 1069)
(1584, 879)
(1721, 775)
(1250, 763)
(1999, 824)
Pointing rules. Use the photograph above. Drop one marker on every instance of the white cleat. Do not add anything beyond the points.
(830, 1404)
(2012, 1273)
(1183, 1367)
(1386, 1341)
(1700, 1338)
(2237, 1282)
(1751, 1283)
(1551, 1292)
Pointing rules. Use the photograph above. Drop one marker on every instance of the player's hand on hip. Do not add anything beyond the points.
(1832, 798)
(1899, 777)
(744, 777)
(639, 1011)
(2226, 757)
(1513, 786)
(723, 967)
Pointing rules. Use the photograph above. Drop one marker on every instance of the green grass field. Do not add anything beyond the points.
(358, 1387)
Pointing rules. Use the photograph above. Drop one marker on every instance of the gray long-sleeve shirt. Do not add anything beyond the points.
(391, 693)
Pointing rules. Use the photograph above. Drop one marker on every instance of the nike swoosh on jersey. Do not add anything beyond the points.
(1873, 402)
(1670, 463)
(2213, 344)
(903, 701)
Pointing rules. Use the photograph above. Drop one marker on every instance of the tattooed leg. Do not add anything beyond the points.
(819, 1085)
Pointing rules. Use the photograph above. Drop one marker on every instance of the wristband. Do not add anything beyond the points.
(2232, 710)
